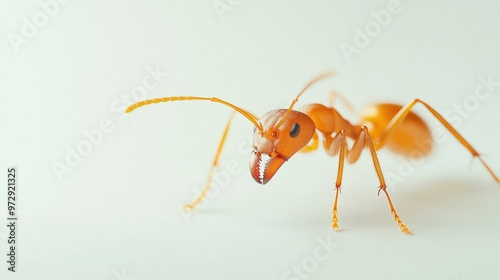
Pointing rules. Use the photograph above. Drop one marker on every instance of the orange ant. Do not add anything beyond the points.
(279, 134)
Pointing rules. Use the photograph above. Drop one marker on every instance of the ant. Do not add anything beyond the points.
(279, 134)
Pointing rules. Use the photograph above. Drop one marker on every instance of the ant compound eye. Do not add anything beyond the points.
(294, 130)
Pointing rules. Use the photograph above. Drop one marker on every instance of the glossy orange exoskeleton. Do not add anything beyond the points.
(279, 134)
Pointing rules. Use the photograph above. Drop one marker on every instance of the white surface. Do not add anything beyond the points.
(117, 214)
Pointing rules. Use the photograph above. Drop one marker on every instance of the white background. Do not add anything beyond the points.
(117, 215)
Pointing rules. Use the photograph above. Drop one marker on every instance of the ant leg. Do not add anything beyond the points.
(337, 145)
(340, 170)
(335, 95)
(401, 115)
(383, 187)
(192, 205)
(312, 146)
(364, 139)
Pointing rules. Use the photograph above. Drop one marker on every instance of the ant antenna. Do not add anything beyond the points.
(313, 81)
(251, 117)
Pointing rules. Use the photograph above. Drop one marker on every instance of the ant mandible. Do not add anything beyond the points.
(279, 134)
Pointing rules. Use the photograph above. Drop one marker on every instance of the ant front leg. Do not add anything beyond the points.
(215, 163)
(364, 134)
(338, 144)
(334, 146)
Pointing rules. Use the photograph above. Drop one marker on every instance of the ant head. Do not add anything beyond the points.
(278, 135)
(284, 132)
